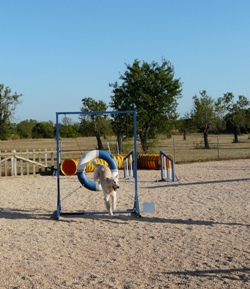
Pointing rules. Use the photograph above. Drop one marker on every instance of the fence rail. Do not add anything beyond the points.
(34, 161)
(13, 163)
(195, 152)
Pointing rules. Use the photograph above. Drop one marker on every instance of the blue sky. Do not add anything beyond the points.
(56, 52)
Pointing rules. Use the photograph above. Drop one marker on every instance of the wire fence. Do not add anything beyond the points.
(43, 161)
(219, 150)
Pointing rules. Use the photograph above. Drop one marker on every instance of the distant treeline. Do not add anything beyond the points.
(46, 129)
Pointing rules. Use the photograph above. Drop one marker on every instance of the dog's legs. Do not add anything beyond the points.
(95, 176)
(114, 201)
(107, 203)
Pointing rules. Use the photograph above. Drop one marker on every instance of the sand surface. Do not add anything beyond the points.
(197, 237)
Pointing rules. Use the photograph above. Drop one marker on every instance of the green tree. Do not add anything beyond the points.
(122, 126)
(94, 124)
(8, 103)
(203, 115)
(151, 90)
(25, 127)
(184, 125)
(68, 128)
(235, 112)
(44, 129)
(248, 120)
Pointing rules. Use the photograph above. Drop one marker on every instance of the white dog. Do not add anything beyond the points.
(109, 185)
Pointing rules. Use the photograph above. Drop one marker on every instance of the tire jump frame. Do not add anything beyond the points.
(91, 155)
(81, 174)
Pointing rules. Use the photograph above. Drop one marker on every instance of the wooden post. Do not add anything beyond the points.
(27, 164)
(174, 148)
(45, 159)
(34, 159)
(21, 166)
(6, 165)
(218, 147)
(39, 160)
(52, 158)
(13, 164)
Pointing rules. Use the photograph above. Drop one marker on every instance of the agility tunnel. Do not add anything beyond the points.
(68, 167)
(148, 161)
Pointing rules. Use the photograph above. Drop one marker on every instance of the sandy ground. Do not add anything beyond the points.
(197, 237)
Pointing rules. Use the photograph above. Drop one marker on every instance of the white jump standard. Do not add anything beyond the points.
(167, 168)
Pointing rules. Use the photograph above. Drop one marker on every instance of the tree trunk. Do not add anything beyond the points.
(184, 134)
(144, 143)
(99, 142)
(236, 133)
(206, 143)
(119, 143)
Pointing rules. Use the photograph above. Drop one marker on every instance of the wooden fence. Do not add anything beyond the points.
(13, 163)
(43, 161)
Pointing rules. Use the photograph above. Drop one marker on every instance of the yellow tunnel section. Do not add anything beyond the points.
(68, 167)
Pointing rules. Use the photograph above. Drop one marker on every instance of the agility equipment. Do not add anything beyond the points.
(128, 166)
(81, 167)
(81, 173)
(148, 207)
(167, 167)
(149, 161)
(68, 167)
(160, 161)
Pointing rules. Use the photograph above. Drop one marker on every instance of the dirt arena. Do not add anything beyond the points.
(197, 237)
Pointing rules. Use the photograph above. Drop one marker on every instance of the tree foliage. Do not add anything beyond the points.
(8, 103)
(44, 129)
(235, 112)
(184, 125)
(203, 115)
(151, 90)
(68, 128)
(94, 124)
(25, 127)
(248, 120)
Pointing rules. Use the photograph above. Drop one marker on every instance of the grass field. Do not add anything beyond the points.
(189, 150)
